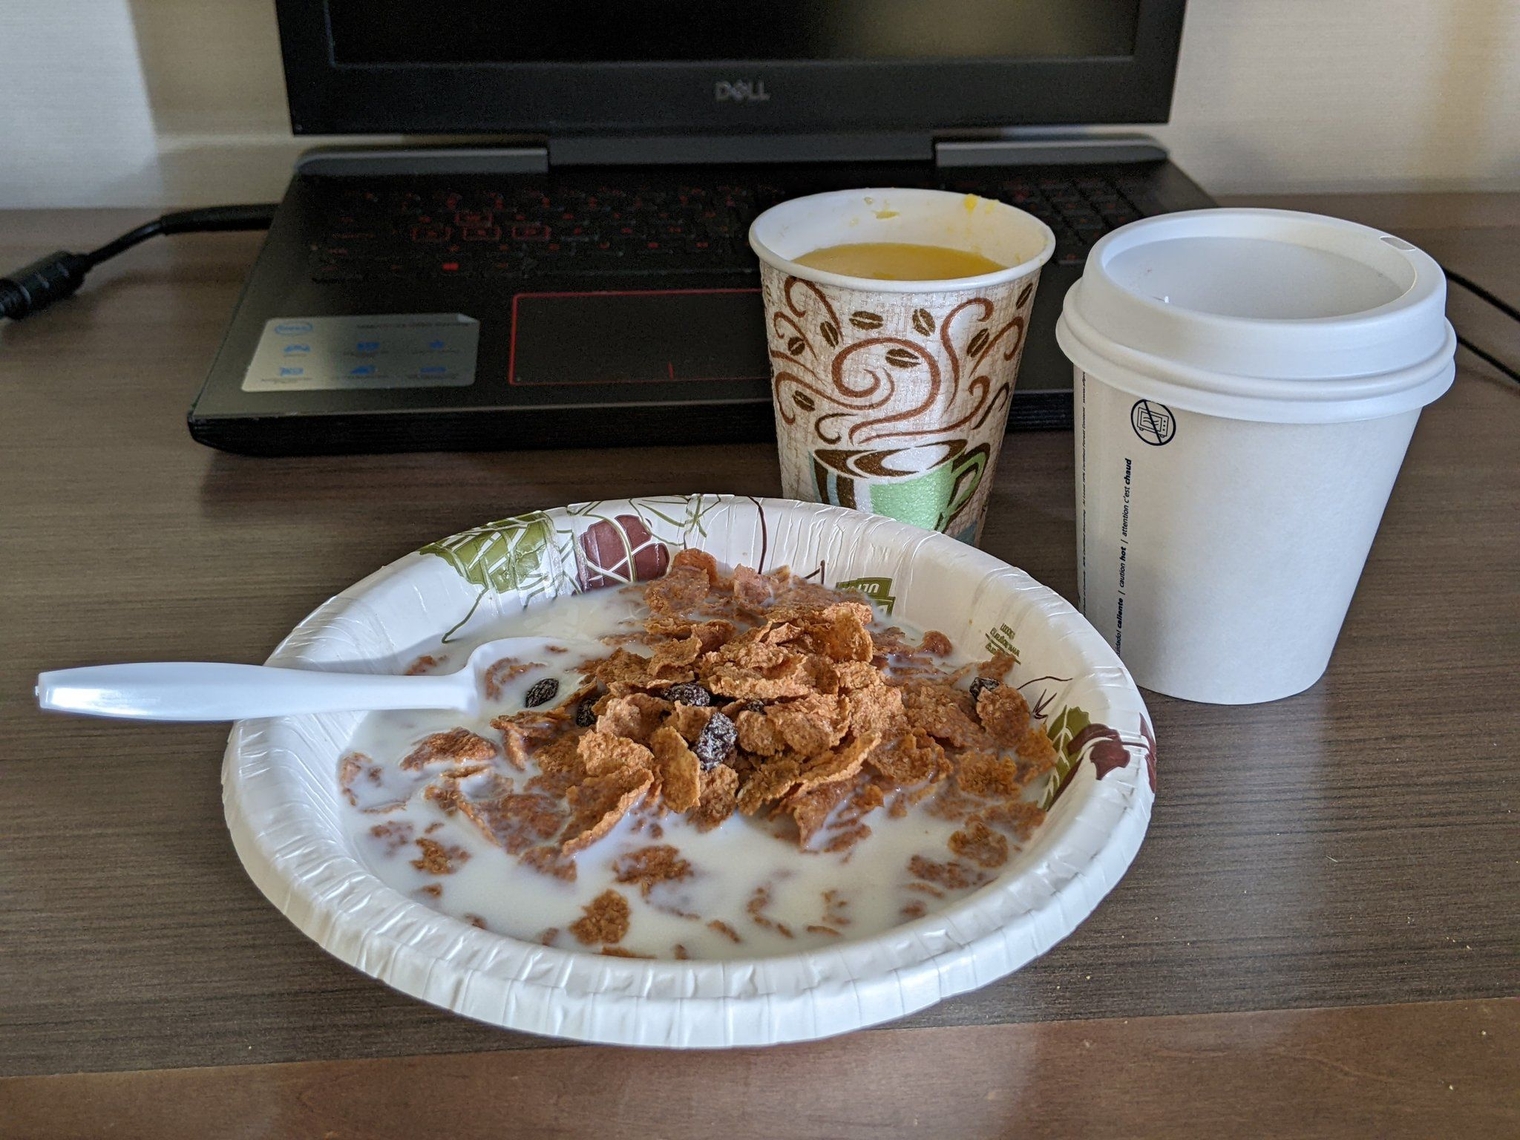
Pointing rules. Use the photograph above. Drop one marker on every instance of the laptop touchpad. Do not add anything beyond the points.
(641, 337)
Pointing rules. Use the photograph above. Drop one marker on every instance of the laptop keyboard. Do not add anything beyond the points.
(426, 232)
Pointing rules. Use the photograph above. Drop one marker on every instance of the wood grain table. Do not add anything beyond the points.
(1320, 936)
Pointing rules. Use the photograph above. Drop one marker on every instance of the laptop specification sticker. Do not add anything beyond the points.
(403, 350)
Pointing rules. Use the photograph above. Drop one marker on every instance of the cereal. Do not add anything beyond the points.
(1017, 818)
(756, 910)
(741, 682)
(813, 809)
(447, 796)
(751, 587)
(672, 657)
(438, 858)
(758, 733)
(516, 821)
(917, 757)
(450, 747)
(980, 844)
(395, 835)
(840, 633)
(769, 695)
(834, 906)
(650, 866)
(810, 724)
(600, 801)
(1004, 714)
(768, 782)
(990, 776)
(680, 771)
(956, 876)
(724, 929)
(941, 711)
(877, 708)
(997, 667)
(634, 716)
(349, 767)
(688, 720)
(1037, 755)
(834, 767)
(605, 920)
(603, 752)
(937, 643)
(679, 592)
(624, 671)
(552, 861)
(718, 798)
(714, 634)
(522, 732)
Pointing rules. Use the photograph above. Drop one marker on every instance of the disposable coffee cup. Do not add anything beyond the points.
(892, 396)
(1247, 382)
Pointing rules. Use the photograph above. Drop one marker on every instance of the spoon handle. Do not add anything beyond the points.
(201, 691)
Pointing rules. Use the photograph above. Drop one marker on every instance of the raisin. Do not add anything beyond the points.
(542, 692)
(585, 714)
(982, 684)
(689, 693)
(716, 741)
(755, 705)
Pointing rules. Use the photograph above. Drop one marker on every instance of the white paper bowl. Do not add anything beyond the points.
(283, 808)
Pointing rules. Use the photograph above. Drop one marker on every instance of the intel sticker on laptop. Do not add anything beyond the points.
(405, 350)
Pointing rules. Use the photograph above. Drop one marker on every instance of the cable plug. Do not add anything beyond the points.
(36, 286)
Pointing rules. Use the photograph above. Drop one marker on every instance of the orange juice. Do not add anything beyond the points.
(898, 261)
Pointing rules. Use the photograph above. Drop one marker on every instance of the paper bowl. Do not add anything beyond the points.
(284, 810)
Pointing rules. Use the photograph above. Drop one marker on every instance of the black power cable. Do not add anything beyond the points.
(58, 275)
(1503, 306)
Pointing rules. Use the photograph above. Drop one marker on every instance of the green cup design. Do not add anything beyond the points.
(927, 485)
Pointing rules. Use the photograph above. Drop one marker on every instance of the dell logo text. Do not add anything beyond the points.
(740, 91)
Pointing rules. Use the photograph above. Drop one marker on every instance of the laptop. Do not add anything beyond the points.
(570, 268)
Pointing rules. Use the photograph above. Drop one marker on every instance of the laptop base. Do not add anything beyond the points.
(393, 312)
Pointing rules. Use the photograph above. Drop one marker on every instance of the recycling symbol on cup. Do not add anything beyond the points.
(1153, 422)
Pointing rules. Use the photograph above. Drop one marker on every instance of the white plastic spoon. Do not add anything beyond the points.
(209, 690)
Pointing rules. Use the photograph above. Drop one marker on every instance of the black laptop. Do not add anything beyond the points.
(570, 268)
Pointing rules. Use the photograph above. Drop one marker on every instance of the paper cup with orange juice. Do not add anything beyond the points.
(895, 320)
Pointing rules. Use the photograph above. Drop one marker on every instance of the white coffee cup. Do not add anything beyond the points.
(1247, 382)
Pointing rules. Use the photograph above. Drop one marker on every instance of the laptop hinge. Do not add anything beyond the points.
(1046, 148)
(346, 162)
(680, 150)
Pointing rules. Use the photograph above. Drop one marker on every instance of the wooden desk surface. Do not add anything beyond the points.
(1320, 934)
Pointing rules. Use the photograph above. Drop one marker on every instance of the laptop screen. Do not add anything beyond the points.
(732, 67)
(391, 32)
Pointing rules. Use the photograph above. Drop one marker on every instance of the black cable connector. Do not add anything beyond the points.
(58, 275)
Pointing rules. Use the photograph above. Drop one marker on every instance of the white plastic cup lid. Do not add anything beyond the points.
(1266, 315)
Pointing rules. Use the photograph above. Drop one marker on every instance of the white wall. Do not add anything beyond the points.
(141, 102)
